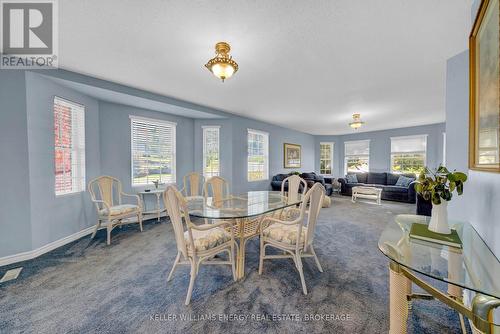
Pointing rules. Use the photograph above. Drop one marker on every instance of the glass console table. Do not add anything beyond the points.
(474, 268)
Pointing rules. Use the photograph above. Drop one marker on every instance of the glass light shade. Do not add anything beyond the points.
(222, 71)
(356, 125)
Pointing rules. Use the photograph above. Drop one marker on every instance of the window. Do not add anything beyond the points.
(258, 159)
(153, 151)
(357, 156)
(326, 158)
(69, 146)
(408, 154)
(211, 161)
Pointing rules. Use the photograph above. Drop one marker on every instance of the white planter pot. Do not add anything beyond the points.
(439, 218)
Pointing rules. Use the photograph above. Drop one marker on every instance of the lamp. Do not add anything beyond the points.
(356, 121)
(222, 65)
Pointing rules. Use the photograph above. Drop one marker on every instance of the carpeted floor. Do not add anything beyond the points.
(88, 287)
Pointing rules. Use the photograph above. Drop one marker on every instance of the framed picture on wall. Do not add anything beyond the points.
(292, 155)
(484, 116)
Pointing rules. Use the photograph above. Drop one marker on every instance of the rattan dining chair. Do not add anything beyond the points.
(294, 238)
(106, 193)
(217, 188)
(293, 192)
(193, 185)
(197, 243)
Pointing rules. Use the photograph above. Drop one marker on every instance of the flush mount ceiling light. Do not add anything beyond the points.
(356, 121)
(222, 65)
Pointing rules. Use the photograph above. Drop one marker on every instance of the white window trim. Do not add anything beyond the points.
(203, 127)
(332, 150)
(84, 149)
(357, 155)
(153, 121)
(410, 137)
(266, 165)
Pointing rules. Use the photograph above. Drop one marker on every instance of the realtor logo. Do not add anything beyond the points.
(29, 34)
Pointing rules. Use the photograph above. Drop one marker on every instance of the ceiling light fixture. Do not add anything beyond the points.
(222, 65)
(356, 121)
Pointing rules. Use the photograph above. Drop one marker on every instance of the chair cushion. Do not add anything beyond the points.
(119, 210)
(284, 233)
(392, 178)
(204, 240)
(351, 178)
(404, 181)
(308, 176)
(362, 177)
(377, 178)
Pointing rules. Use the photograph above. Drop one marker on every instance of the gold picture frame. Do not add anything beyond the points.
(292, 155)
(484, 94)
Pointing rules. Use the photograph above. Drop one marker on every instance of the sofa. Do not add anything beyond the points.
(385, 181)
(310, 179)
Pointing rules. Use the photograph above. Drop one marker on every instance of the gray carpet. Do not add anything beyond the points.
(88, 287)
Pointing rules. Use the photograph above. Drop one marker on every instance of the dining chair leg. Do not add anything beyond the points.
(139, 217)
(173, 267)
(298, 264)
(233, 265)
(109, 228)
(191, 281)
(316, 259)
(261, 256)
(96, 228)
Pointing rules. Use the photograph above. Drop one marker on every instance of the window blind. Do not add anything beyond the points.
(357, 156)
(358, 147)
(408, 154)
(211, 160)
(153, 151)
(409, 144)
(258, 159)
(69, 146)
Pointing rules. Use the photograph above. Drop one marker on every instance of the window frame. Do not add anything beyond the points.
(155, 122)
(332, 148)
(204, 135)
(410, 152)
(79, 150)
(266, 154)
(347, 156)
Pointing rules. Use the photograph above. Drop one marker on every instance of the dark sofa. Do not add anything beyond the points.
(310, 179)
(386, 181)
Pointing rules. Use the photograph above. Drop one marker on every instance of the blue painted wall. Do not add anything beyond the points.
(56, 217)
(115, 144)
(380, 146)
(479, 203)
(233, 146)
(15, 216)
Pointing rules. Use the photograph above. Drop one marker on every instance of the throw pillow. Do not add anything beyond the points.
(404, 181)
(351, 178)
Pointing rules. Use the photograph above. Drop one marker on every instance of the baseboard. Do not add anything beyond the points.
(45, 249)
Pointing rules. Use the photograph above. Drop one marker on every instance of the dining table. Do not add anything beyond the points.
(245, 211)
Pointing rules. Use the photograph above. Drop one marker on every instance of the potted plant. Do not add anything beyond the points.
(438, 187)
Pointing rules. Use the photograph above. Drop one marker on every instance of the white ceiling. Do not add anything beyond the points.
(306, 65)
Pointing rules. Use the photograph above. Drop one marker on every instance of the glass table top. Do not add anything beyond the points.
(473, 267)
(250, 204)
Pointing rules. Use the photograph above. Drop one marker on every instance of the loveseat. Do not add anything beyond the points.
(310, 179)
(386, 181)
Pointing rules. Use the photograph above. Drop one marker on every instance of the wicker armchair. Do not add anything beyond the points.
(193, 185)
(106, 193)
